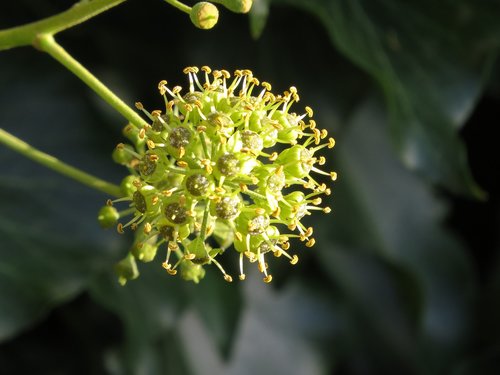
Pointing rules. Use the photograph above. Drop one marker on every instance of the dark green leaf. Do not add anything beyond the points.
(429, 63)
(219, 304)
(149, 308)
(389, 253)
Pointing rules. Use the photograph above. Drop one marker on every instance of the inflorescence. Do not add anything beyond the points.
(204, 176)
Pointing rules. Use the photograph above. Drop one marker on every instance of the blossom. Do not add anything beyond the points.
(226, 165)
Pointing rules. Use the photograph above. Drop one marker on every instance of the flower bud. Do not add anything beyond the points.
(204, 15)
(126, 269)
(108, 216)
(191, 271)
(127, 185)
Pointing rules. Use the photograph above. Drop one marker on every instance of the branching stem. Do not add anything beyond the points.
(25, 35)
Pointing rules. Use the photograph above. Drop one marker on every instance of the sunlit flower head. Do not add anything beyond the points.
(226, 166)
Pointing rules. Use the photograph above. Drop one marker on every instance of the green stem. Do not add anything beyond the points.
(26, 34)
(47, 43)
(183, 7)
(51, 162)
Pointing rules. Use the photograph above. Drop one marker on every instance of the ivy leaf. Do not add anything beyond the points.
(389, 253)
(149, 308)
(431, 67)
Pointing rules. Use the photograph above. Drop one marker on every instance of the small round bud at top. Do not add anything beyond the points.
(204, 15)
(108, 216)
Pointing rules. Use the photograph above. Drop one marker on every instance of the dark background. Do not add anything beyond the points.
(405, 275)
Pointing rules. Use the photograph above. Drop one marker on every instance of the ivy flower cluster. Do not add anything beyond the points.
(227, 163)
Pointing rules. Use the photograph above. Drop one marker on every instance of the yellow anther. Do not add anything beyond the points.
(276, 212)
(190, 69)
(189, 256)
(273, 156)
(109, 202)
(324, 133)
(206, 69)
(309, 111)
(142, 133)
(151, 144)
(260, 211)
(167, 193)
(285, 245)
(311, 242)
(172, 272)
(333, 176)
(294, 260)
(322, 160)
(176, 90)
(228, 278)
(268, 279)
(312, 124)
(309, 231)
(225, 74)
(139, 106)
(317, 201)
(331, 142)
(327, 210)
(267, 86)
(242, 277)
(238, 236)
(328, 191)
(182, 164)
(147, 228)
(119, 228)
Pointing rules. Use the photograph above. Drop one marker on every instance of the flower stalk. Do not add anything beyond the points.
(57, 165)
(25, 35)
(47, 43)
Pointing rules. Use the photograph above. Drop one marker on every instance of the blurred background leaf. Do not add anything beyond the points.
(431, 63)
(402, 277)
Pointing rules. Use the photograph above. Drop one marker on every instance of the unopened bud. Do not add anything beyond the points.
(204, 15)
(108, 216)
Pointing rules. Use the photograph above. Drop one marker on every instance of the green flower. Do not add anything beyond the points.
(204, 176)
